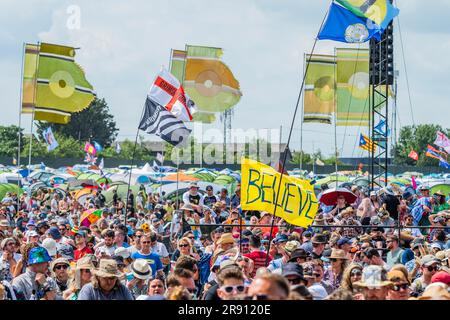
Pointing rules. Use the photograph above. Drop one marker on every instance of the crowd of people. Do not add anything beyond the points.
(205, 246)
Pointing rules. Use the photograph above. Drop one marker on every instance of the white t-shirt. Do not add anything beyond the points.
(160, 249)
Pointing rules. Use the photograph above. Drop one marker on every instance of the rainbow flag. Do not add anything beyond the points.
(74, 230)
(90, 216)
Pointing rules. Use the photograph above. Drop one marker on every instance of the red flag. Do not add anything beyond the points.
(413, 155)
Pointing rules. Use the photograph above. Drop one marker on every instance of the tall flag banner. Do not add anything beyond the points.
(414, 155)
(50, 140)
(101, 164)
(89, 148)
(414, 182)
(296, 203)
(319, 95)
(382, 12)
(168, 92)
(159, 121)
(178, 64)
(431, 148)
(320, 162)
(160, 157)
(444, 164)
(366, 143)
(352, 72)
(442, 141)
(433, 153)
(97, 146)
(381, 127)
(343, 26)
(118, 148)
(53, 84)
(207, 80)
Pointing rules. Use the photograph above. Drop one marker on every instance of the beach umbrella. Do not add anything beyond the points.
(330, 196)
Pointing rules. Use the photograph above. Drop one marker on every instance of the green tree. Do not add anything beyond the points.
(416, 138)
(68, 147)
(93, 123)
(127, 147)
(9, 140)
(296, 158)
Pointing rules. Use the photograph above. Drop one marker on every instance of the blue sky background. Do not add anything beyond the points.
(124, 43)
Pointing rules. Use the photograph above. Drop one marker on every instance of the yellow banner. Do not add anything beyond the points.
(296, 203)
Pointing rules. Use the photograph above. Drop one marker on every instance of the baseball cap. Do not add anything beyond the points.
(441, 276)
(280, 238)
(428, 260)
(343, 241)
(54, 233)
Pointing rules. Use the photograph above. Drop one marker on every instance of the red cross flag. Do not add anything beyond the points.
(169, 93)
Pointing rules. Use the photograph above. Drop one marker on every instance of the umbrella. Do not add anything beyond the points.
(329, 197)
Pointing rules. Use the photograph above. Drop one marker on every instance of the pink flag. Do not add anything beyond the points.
(413, 182)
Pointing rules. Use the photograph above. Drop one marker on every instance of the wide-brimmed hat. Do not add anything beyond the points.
(338, 254)
(38, 255)
(4, 223)
(373, 277)
(108, 268)
(297, 253)
(291, 246)
(188, 207)
(226, 238)
(319, 238)
(59, 261)
(141, 269)
(292, 269)
(439, 193)
(397, 276)
(85, 263)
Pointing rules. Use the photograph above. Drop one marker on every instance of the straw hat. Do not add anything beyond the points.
(338, 254)
(226, 238)
(373, 277)
(85, 263)
(141, 269)
(108, 268)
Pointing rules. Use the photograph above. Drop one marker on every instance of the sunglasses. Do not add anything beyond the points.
(399, 287)
(183, 245)
(317, 275)
(433, 268)
(192, 238)
(257, 297)
(333, 260)
(146, 242)
(61, 266)
(295, 281)
(356, 273)
(156, 286)
(230, 289)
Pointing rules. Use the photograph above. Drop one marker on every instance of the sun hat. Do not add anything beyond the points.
(291, 246)
(54, 233)
(123, 252)
(338, 254)
(59, 261)
(428, 260)
(226, 238)
(435, 291)
(38, 255)
(50, 245)
(187, 207)
(5, 242)
(397, 276)
(319, 238)
(373, 277)
(85, 263)
(441, 276)
(4, 223)
(193, 185)
(292, 269)
(280, 238)
(297, 253)
(108, 268)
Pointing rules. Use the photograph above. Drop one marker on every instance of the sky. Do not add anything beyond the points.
(123, 45)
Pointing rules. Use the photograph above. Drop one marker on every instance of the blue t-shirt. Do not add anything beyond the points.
(152, 259)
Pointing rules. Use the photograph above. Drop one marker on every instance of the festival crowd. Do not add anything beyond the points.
(147, 247)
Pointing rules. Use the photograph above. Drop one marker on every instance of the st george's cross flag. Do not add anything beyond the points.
(158, 120)
(168, 92)
(442, 141)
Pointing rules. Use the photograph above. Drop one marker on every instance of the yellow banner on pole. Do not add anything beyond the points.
(296, 203)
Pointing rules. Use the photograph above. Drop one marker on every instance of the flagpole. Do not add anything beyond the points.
(178, 170)
(20, 113)
(302, 118)
(34, 107)
(289, 139)
(335, 119)
(132, 163)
